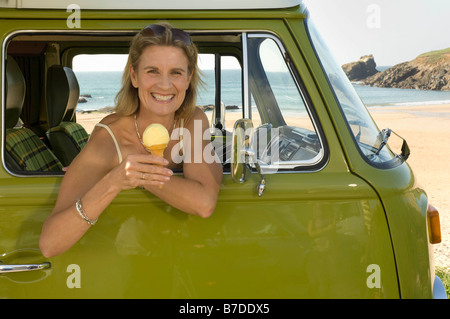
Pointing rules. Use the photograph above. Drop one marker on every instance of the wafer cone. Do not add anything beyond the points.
(157, 150)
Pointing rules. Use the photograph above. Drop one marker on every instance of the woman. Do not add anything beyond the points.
(159, 86)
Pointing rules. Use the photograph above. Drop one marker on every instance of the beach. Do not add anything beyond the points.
(427, 130)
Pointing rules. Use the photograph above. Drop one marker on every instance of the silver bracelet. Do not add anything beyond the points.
(83, 215)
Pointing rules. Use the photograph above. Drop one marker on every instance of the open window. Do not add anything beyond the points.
(41, 134)
(99, 76)
(286, 135)
(246, 75)
(221, 98)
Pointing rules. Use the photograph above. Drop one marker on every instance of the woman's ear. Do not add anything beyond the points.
(189, 81)
(133, 77)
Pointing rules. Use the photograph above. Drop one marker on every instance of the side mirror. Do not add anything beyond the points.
(242, 154)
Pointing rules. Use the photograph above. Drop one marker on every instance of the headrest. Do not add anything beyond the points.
(62, 93)
(15, 92)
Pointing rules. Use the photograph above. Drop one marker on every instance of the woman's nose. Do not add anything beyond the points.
(164, 81)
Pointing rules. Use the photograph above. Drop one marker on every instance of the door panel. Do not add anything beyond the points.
(313, 238)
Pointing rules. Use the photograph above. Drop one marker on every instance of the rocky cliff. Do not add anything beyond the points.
(360, 70)
(429, 71)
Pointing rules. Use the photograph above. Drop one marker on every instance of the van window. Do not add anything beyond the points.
(286, 136)
(226, 90)
(365, 132)
(99, 77)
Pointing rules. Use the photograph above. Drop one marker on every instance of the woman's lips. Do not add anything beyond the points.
(162, 98)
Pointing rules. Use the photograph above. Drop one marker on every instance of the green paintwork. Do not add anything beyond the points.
(311, 235)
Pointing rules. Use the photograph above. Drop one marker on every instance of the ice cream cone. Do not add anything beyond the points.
(155, 139)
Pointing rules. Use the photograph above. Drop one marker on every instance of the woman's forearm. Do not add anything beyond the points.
(64, 227)
(189, 195)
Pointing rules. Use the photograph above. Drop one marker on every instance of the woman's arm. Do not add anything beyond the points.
(96, 179)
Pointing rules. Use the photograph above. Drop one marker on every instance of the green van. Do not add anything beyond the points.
(314, 202)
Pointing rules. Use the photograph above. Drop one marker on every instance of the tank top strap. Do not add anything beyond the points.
(181, 137)
(119, 153)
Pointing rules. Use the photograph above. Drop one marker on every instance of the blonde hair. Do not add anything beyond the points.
(127, 100)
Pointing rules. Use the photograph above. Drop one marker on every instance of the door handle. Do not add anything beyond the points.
(23, 267)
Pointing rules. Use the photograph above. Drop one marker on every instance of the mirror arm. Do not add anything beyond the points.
(249, 153)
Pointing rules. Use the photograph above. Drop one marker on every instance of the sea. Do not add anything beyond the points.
(100, 89)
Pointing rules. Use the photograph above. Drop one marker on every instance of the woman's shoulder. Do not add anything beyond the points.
(196, 118)
(110, 119)
(113, 124)
(106, 136)
(116, 122)
(197, 114)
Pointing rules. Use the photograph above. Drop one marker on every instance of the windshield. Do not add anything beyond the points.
(365, 132)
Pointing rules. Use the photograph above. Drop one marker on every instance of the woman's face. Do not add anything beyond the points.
(162, 79)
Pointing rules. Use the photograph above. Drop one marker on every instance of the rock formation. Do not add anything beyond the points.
(360, 70)
(429, 71)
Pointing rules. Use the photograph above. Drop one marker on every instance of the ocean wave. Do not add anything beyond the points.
(422, 103)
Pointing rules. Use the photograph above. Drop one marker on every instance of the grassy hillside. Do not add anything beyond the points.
(434, 57)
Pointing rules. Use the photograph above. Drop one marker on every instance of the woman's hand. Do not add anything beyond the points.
(140, 170)
(196, 190)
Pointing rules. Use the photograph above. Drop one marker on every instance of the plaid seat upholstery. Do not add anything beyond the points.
(29, 152)
(75, 131)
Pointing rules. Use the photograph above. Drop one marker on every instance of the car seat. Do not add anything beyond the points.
(24, 150)
(67, 138)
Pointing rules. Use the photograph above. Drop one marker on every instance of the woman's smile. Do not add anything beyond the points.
(162, 97)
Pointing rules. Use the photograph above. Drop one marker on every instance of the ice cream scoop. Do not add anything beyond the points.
(156, 138)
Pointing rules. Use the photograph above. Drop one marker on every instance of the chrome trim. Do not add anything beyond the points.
(4, 269)
(246, 103)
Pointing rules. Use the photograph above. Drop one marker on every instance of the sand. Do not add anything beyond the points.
(427, 131)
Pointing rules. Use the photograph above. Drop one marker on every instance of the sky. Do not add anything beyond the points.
(101, 62)
(394, 31)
